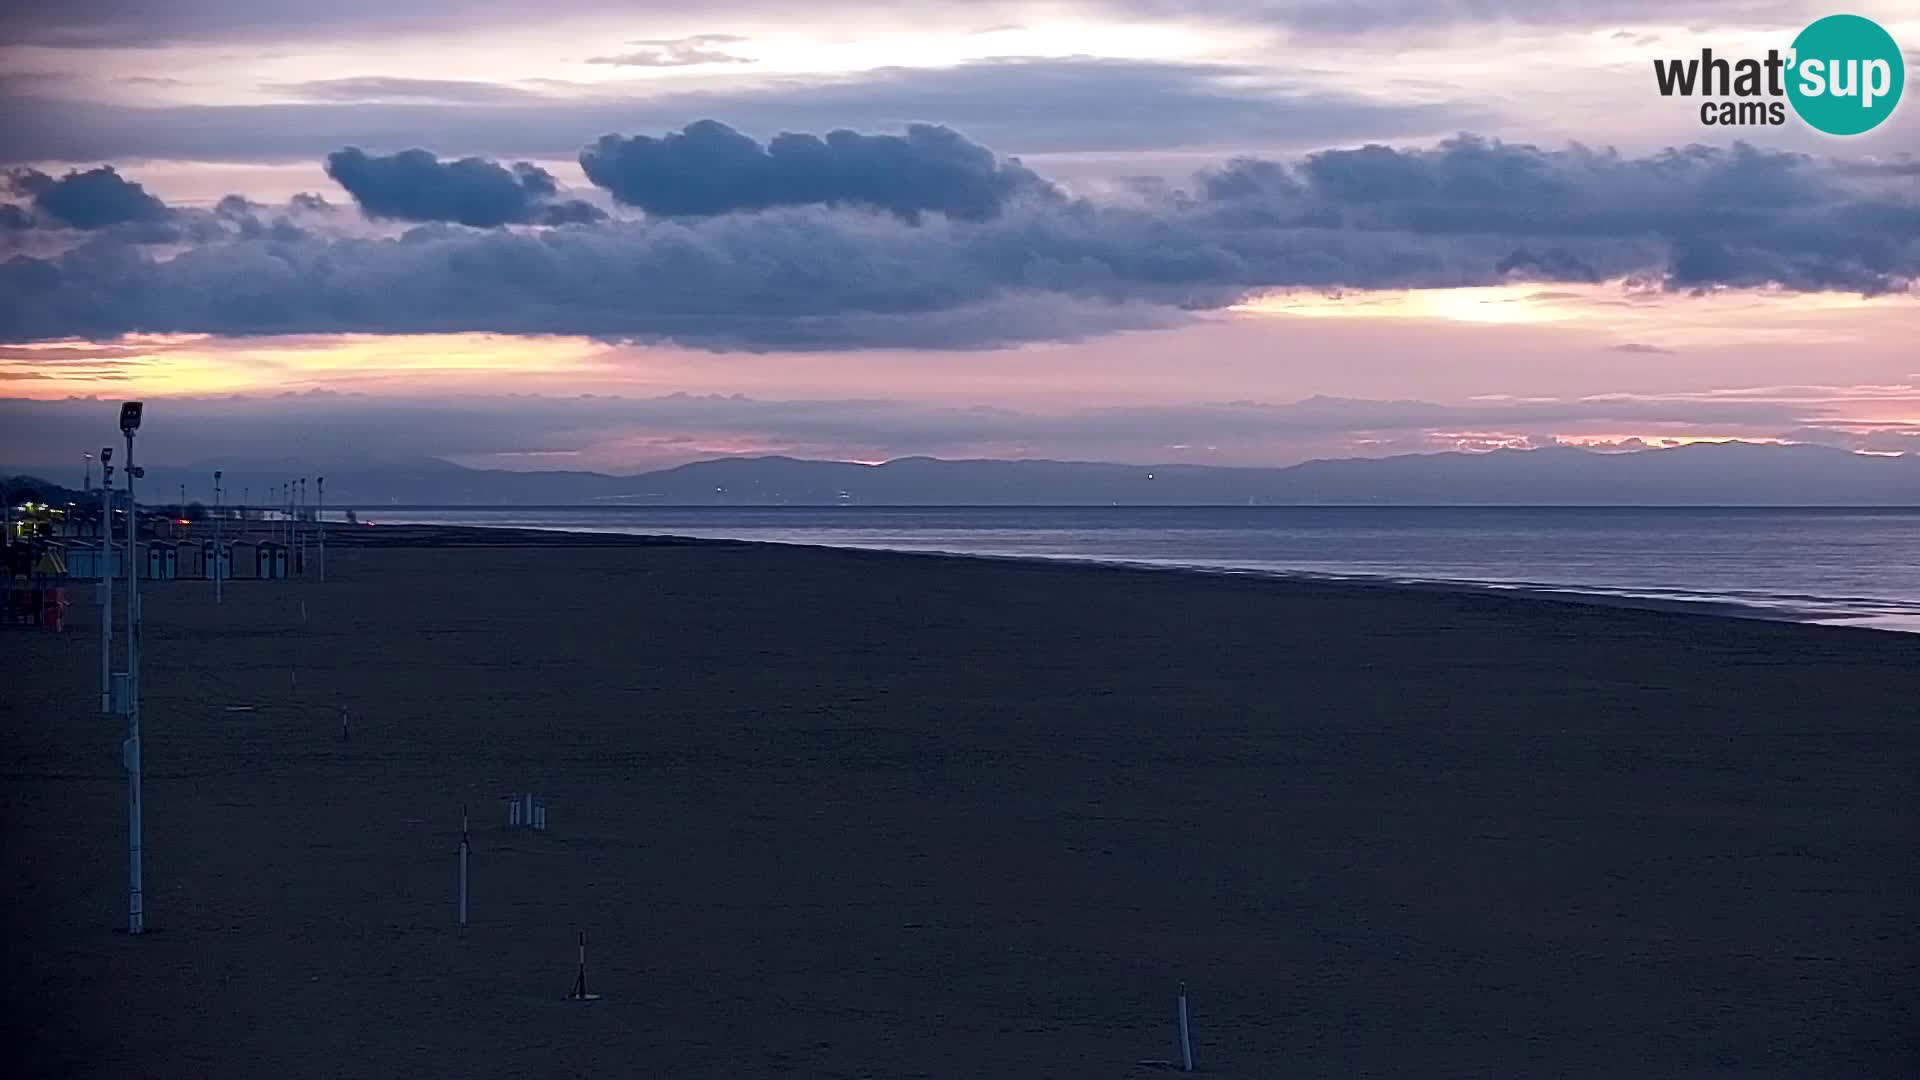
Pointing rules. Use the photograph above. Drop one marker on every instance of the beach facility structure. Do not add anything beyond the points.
(270, 560)
(85, 560)
(190, 560)
(162, 561)
(216, 557)
(243, 559)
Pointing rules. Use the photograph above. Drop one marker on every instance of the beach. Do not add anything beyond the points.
(867, 814)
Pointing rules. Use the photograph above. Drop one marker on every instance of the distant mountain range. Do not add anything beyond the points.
(1726, 474)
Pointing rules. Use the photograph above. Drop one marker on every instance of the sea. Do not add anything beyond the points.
(1857, 567)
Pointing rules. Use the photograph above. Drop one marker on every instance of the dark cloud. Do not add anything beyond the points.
(1090, 105)
(709, 168)
(677, 52)
(1466, 212)
(94, 199)
(1726, 216)
(414, 185)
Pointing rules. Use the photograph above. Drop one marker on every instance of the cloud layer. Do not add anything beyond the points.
(1090, 104)
(779, 246)
(339, 427)
(93, 199)
(709, 168)
(414, 185)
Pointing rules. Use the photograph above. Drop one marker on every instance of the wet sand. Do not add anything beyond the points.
(829, 813)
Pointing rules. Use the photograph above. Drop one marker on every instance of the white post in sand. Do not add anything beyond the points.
(465, 846)
(579, 991)
(1186, 1034)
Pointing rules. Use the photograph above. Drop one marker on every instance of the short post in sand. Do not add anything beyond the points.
(1186, 1033)
(466, 845)
(320, 522)
(579, 991)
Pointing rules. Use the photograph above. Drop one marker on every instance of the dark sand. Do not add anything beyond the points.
(839, 814)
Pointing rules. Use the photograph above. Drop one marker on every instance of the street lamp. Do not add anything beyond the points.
(136, 911)
(218, 532)
(106, 579)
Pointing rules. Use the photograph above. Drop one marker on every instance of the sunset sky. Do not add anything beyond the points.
(1129, 230)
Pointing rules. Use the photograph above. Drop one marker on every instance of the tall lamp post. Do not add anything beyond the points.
(106, 579)
(320, 522)
(218, 531)
(136, 910)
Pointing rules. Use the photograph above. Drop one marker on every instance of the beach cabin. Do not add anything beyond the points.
(243, 559)
(270, 560)
(210, 556)
(162, 561)
(85, 561)
(191, 559)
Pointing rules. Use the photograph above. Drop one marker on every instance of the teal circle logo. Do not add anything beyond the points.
(1847, 75)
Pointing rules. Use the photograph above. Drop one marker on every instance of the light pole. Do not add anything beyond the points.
(87, 484)
(302, 526)
(218, 532)
(106, 579)
(320, 521)
(136, 910)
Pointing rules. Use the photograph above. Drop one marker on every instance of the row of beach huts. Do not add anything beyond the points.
(168, 560)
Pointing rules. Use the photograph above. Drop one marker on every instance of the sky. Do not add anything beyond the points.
(623, 235)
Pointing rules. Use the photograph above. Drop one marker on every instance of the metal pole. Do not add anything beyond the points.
(136, 910)
(465, 846)
(1186, 1034)
(106, 584)
(87, 484)
(320, 521)
(218, 532)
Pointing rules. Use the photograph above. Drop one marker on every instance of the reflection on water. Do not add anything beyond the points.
(1860, 567)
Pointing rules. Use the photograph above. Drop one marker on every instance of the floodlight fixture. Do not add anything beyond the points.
(130, 416)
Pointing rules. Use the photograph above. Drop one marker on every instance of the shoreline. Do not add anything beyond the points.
(453, 536)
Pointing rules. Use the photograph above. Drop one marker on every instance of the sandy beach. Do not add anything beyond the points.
(842, 814)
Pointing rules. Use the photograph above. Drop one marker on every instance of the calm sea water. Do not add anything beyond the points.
(1856, 566)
